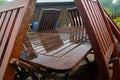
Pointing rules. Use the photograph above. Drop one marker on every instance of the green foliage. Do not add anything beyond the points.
(117, 21)
(106, 3)
(3, 2)
(108, 11)
(115, 7)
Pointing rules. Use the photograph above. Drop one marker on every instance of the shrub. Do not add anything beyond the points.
(117, 21)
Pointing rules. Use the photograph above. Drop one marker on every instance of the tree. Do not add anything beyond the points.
(3, 2)
(108, 11)
(116, 7)
(110, 6)
(106, 3)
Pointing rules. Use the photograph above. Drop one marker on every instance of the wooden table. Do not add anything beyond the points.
(65, 58)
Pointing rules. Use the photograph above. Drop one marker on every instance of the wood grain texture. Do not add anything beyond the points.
(114, 28)
(14, 20)
(100, 36)
(49, 16)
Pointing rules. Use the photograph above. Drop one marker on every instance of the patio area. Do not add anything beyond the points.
(75, 40)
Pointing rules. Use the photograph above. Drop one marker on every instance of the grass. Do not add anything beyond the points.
(117, 21)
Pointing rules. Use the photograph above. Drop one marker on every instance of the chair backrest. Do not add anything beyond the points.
(51, 41)
(100, 36)
(74, 16)
(48, 19)
(114, 28)
(78, 31)
(14, 20)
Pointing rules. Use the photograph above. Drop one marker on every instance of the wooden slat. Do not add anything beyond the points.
(2, 19)
(8, 32)
(4, 26)
(115, 29)
(66, 50)
(8, 7)
(14, 19)
(10, 43)
(93, 24)
(96, 23)
(59, 49)
(48, 19)
(51, 41)
(100, 36)
(101, 23)
(106, 37)
(77, 32)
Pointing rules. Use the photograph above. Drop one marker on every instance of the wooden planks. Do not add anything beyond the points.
(48, 19)
(114, 28)
(78, 32)
(13, 26)
(69, 53)
(100, 36)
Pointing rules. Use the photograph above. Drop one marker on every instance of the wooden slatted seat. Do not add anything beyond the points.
(14, 20)
(100, 36)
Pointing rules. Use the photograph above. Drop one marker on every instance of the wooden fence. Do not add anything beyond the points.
(115, 15)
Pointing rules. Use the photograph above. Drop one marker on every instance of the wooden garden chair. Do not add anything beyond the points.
(74, 16)
(49, 16)
(52, 55)
(46, 24)
(51, 49)
(77, 29)
(45, 31)
(14, 20)
(101, 37)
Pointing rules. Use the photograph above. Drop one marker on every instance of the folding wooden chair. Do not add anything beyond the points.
(78, 30)
(52, 55)
(100, 36)
(49, 16)
(74, 16)
(14, 20)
